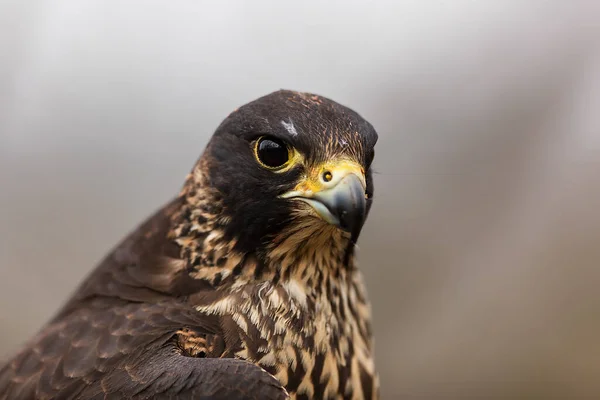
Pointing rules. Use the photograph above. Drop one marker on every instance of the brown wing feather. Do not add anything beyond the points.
(116, 337)
(145, 267)
(127, 350)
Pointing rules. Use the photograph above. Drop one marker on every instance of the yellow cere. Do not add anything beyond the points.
(327, 175)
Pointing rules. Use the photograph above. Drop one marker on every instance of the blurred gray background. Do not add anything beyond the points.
(482, 253)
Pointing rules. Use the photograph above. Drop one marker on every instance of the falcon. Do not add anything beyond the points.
(244, 286)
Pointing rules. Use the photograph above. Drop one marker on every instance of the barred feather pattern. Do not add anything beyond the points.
(300, 312)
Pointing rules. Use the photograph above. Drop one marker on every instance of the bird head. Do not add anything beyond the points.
(290, 167)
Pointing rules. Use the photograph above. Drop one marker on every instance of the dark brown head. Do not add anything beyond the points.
(287, 162)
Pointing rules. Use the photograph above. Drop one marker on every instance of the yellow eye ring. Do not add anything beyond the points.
(272, 153)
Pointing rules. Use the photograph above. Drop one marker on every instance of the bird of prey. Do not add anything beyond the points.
(244, 286)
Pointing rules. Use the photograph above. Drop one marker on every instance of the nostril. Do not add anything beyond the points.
(327, 176)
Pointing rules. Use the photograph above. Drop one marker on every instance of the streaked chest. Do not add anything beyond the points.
(316, 342)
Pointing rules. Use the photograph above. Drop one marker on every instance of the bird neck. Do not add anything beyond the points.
(308, 251)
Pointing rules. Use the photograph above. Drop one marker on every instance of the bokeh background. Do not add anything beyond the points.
(482, 253)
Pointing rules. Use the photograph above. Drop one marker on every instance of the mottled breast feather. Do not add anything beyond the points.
(301, 313)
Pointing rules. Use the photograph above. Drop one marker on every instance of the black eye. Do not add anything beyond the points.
(272, 152)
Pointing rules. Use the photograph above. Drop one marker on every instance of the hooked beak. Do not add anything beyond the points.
(339, 200)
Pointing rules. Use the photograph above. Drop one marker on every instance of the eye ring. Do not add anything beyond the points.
(272, 153)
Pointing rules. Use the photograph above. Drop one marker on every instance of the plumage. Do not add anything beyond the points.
(242, 287)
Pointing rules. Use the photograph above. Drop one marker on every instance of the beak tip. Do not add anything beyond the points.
(349, 204)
